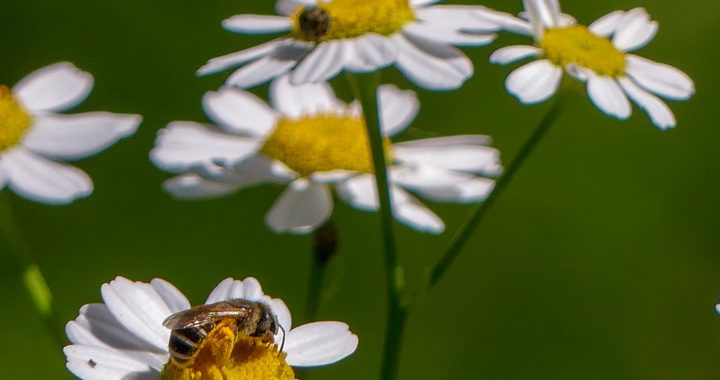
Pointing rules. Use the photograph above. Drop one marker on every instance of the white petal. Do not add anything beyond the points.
(257, 24)
(194, 187)
(95, 363)
(39, 179)
(442, 185)
(534, 82)
(273, 65)
(510, 54)
(542, 14)
(398, 109)
(251, 171)
(71, 137)
(238, 58)
(505, 21)
(239, 112)
(331, 177)
(411, 212)
(361, 193)
(369, 52)
(96, 326)
(140, 308)
(658, 111)
(56, 87)
(227, 289)
(288, 7)
(295, 101)
(319, 343)
(607, 95)
(476, 19)
(659, 78)
(445, 35)
(635, 30)
(301, 208)
(174, 299)
(182, 146)
(605, 26)
(459, 153)
(432, 65)
(323, 63)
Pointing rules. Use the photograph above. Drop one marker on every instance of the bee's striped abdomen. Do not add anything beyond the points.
(185, 342)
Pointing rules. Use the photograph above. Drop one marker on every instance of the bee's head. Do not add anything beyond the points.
(268, 322)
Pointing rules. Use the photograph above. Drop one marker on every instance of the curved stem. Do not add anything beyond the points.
(476, 215)
(396, 316)
(33, 279)
(325, 245)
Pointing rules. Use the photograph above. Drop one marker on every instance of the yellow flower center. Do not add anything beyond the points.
(225, 355)
(322, 143)
(14, 120)
(577, 45)
(339, 19)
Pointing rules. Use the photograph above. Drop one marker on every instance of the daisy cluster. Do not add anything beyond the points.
(318, 148)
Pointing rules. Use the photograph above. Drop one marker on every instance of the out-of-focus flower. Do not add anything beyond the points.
(312, 141)
(124, 337)
(327, 37)
(35, 140)
(598, 55)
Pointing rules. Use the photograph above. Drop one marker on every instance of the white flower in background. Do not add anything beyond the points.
(327, 37)
(35, 140)
(124, 337)
(314, 142)
(599, 55)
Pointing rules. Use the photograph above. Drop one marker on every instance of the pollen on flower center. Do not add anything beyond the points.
(226, 355)
(321, 143)
(577, 45)
(337, 19)
(14, 120)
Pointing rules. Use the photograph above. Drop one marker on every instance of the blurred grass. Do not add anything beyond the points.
(600, 261)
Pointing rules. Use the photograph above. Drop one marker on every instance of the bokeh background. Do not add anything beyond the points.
(601, 261)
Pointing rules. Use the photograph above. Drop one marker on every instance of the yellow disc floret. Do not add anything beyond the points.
(577, 45)
(14, 120)
(321, 143)
(352, 18)
(226, 355)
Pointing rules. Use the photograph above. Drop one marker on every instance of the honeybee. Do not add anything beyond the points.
(314, 22)
(190, 327)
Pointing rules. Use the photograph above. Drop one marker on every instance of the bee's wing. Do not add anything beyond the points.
(200, 315)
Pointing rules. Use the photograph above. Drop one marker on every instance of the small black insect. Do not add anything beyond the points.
(92, 363)
(314, 22)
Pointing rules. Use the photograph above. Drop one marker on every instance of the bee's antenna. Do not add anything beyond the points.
(282, 345)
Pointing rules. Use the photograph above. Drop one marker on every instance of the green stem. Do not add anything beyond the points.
(33, 279)
(396, 316)
(476, 215)
(325, 245)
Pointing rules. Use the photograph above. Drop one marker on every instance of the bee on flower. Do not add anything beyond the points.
(325, 37)
(313, 142)
(126, 336)
(599, 55)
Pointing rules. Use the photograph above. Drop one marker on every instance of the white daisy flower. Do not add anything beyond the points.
(598, 55)
(124, 337)
(329, 36)
(35, 139)
(312, 141)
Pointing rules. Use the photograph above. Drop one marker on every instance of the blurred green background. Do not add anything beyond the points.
(601, 261)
